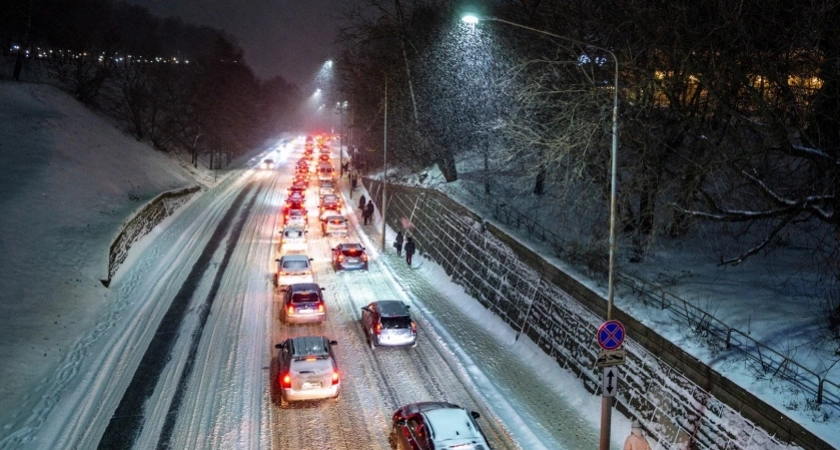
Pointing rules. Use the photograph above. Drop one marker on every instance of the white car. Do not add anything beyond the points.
(334, 225)
(307, 369)
(297, 218)
(292, 269)
(326, 172)
(293, 240)
(327, 188)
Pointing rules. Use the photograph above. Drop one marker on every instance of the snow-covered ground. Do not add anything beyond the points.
(70, 345)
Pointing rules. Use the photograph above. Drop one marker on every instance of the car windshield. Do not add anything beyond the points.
(305, 297)
(396, 322)
(296, 265)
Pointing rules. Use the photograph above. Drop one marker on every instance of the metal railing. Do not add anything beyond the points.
(763, 360)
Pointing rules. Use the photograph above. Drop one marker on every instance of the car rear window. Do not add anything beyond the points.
(336, 221)
(296, 265)
(305, 297)
(294, 234)
(396, 322)
(352, 252)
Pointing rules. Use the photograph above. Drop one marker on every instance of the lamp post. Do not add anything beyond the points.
(606, 406)
(384, 163)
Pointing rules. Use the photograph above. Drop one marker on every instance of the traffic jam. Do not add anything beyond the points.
(310, 372)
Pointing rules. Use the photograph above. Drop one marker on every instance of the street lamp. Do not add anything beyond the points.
(472, 19)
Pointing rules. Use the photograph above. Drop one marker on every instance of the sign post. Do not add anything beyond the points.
(610, 337)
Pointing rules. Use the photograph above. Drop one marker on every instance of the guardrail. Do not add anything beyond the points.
(763, 360)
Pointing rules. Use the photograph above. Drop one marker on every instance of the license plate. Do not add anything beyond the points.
(310, 385)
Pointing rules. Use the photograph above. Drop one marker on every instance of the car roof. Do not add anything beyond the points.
(391, 308)
(305, 287)
(294, 258)
(451, 426)
(309, 345)
(335, 217)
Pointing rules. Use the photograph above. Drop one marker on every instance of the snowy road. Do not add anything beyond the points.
(185, 358)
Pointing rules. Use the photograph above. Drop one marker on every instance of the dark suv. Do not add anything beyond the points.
(388, 324)
(304, 303)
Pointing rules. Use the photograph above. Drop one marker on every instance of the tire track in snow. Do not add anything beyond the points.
(127, 420)
(205, 307)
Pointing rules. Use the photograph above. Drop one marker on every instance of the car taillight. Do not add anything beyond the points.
(320, 307)
(364, 257)
(413, 327)
(291, 309)
(378, 328)
(286, 381)
(340, 258)
(334, 378)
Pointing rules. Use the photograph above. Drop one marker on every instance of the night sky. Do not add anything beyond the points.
(290, 38)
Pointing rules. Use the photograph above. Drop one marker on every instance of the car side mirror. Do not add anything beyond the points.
(365, 308)
(475, 415)
(333, 342)
(406, 305)
(401, 423)
(281, 345)
(322, 289)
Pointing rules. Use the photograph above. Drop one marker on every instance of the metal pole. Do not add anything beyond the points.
(384, 163)
(606, 403)
(340, 145)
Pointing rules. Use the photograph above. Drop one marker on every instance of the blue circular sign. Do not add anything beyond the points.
(611, 335)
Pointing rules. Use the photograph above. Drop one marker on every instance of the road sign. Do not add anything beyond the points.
(611, 358)
(609, 381)
(611, 335)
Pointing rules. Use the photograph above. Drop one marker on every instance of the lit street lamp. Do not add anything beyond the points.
(606, 406)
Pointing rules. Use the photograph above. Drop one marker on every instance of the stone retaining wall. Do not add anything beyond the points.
(142, 222)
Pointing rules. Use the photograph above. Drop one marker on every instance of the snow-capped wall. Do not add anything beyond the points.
(148, 217)
(682, 402)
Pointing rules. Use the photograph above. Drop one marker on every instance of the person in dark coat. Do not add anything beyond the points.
(362, 204)
(398, 243)
(369, 212)
(409, 250)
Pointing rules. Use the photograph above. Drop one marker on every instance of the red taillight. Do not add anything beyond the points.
(413, 327)
(340, 258)
(335, 378)
(291, 310)
(320, 307)
(286, 381)
(364, 257)
(378, 328)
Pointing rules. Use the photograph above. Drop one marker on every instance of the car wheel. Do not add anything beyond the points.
(283, 401)
(392, 440)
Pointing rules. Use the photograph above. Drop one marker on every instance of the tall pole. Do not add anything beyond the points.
(340, 144)
(606, 402)
(384, 163)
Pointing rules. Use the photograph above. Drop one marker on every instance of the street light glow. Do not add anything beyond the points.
(471, 19)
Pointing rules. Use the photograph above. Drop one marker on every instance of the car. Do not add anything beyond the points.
(301, 178)
(326, 172)
(330, 201)
(303, 303)
(294, 202)
(297, 189)
(293, 269)
(324, 157)
(301, 169)
(293, 239)
(307, 369)
(297, 218)
(387, 323)
(436, 425)
(326, 188)
(323, 213)
(334, 225)
(349, 256)
(268, 164)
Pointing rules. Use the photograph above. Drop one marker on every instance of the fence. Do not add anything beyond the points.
(690, 406)
(717, 334)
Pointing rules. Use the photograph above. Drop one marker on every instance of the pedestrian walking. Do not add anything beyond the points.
(398, 243)
(362, 204)
(636, 440)
(409, 250)
(369, 212)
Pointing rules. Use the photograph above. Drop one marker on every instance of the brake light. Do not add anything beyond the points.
(340, 258)
(364, 257)
(378, 329)
(286, 381)
(320, 307)
(291, 310)
(334, 378)
(413, 327)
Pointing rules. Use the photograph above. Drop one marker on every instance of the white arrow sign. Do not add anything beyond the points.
(609, 381)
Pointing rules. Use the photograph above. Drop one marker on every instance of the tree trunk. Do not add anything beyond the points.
(539, 183)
